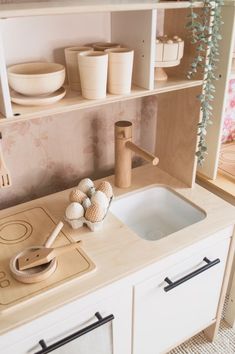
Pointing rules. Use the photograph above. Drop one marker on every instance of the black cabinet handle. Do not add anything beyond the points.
(101, 321)
(171, 285)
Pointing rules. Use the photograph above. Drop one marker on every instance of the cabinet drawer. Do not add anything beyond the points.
(166, 315)
(114, 336)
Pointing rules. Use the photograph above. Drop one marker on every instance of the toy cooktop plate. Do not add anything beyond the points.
(31, 228)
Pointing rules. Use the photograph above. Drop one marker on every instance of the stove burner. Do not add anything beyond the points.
(5, 283)
(2, 275)
(15, 231)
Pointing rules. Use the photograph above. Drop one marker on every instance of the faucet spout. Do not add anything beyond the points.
(123, 154)
(142, 153)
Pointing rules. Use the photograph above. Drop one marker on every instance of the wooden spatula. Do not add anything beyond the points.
(5, 178)
(41, 256)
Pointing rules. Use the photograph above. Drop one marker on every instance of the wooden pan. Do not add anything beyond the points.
(32, 275)
(36, 274)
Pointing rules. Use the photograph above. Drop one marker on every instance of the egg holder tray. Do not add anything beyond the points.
(93, 226)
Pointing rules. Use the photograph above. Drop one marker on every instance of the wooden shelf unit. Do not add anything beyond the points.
(73, 101)
(79, 28)
(134, 25)
(81, 6)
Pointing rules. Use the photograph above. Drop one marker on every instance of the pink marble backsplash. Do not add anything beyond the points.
(52, 153)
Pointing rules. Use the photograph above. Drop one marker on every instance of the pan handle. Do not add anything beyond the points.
(51, 239)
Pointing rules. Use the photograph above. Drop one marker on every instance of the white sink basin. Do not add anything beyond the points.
(156, 212)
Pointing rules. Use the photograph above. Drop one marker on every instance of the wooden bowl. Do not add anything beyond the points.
(38, 78)
(32, 275)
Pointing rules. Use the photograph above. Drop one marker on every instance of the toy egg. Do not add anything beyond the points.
(86, 203)
(169, 41)
(95, 213)
(85, 184)
(106, 188)
(91, 191)
(100, 199)
(77, 196)
(74, 211)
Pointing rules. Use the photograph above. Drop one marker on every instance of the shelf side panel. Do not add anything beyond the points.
(43, 38)
(210, 166)
(177, 119)
(174, 24)
(5, 100)
(137, 30)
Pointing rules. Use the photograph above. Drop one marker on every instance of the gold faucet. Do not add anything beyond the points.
(123, 153)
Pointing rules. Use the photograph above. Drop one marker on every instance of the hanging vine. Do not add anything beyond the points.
(205, 27)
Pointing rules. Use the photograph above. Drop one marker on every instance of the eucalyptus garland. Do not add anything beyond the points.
(205, 29)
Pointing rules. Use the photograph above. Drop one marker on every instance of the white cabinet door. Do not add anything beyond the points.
(113, 337)
(163, 319)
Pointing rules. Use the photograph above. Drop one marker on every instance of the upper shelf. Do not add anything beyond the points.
(73, 101)
(81, 6)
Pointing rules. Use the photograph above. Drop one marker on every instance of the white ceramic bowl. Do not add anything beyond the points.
(38, 78)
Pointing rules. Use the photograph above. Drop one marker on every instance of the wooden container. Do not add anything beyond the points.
(120, 70)
(102, 46)
(32, 275)
(93, 67)
(36, 78)
(168, 53)
(71, 58)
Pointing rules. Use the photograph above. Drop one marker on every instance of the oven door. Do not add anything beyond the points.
(97, 338)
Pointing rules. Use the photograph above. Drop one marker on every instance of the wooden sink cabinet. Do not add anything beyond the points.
(130, 286)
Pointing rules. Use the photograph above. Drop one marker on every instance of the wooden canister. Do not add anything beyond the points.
(71, 58)
(120, 70)
(93, 67)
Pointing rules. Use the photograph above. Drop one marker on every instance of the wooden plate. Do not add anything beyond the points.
(38, 100)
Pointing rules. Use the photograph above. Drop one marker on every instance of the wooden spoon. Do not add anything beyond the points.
(42, 256)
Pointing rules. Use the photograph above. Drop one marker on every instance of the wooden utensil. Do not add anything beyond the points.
(42, 256)
(5, 178)
(51, 239)
(32, 275)
(39, 273)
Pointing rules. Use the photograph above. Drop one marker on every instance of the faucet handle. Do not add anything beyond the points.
(142, 153)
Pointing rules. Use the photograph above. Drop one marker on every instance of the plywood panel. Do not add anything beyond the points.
(137, 30)
(178, 116)
(49, 7)
(210, 166)
(174, 24)
(45, 37)
(5, 103)
(72, 101)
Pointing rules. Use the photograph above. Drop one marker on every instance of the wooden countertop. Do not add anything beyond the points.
(110, 248)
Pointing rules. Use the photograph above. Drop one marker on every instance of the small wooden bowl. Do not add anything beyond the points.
(32, 275)
(36, 78)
